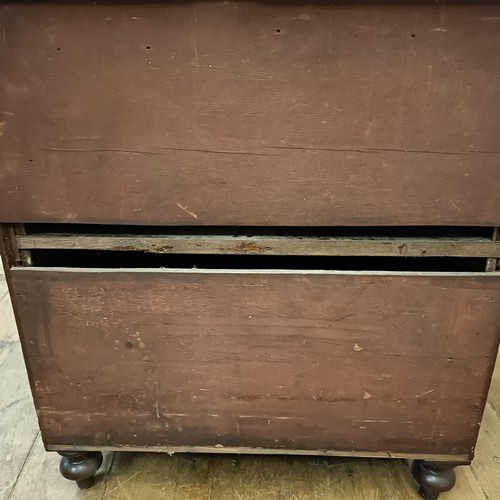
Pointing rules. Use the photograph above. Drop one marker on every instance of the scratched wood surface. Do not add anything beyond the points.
(30, 472)
(250, 113)
(358, 362)
(262, 245)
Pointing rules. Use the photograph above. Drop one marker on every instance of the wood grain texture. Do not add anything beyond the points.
(487, 463)
(262, 245)
(189, 477)
(193, 477)
(491, 263)
(361, 362)
(19, 426)
(224, 450)
(250, 113)
(40, 478)
(494, 394)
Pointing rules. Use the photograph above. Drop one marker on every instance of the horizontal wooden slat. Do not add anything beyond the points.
(228, 271)
(262, 245)
(285, 360)
(464, 459)
(250, 113)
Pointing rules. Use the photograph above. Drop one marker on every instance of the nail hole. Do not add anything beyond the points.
(413, 35)
(278, 31)
(30, 160)
(148, 47)
(59, 48)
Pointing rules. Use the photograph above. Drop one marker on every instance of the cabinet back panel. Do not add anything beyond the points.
(250, 113)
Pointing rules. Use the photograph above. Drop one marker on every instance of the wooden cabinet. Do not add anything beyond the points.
(254, 227)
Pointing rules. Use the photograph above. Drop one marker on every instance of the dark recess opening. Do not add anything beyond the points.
(312, 231)
(118, 260)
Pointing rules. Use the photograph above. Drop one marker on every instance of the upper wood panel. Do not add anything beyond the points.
(246, 113)
(358, 362)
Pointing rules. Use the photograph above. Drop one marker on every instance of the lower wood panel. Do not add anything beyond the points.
(332, 361)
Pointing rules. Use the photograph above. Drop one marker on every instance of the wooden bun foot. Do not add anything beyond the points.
(80, 466)
(433, 478)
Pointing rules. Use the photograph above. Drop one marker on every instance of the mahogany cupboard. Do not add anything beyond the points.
(254, 227)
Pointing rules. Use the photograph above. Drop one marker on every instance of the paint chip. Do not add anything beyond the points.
(424, 393)
(367, 395)
(192, 214)
(357, 347)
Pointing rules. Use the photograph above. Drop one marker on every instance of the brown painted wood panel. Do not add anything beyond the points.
(341, 361)
(250, 113)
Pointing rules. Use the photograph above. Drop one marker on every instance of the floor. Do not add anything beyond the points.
(28, 472)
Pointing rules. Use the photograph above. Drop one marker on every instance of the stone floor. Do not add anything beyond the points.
(28, 472)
